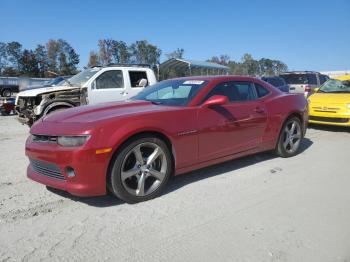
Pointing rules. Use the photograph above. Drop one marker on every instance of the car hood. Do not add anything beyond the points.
(105, 111)
(43, 90)
(333, 98)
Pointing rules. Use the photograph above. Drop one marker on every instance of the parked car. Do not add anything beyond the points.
(132, 148)
(304, 81)
(278, 82)
(7, 90)
(57, 81)
(91, 86)
(7, 106)
(330, 105)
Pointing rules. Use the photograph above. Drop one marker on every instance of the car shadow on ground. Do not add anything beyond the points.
(343, 129)
(178, 182)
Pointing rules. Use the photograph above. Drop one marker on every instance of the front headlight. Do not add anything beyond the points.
(71, 141)
(349, 105)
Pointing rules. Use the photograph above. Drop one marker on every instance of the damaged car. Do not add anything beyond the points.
(94, 85)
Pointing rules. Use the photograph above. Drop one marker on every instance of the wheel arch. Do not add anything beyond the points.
(48, 108)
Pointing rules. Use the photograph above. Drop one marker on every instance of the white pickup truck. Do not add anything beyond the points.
(94, 85)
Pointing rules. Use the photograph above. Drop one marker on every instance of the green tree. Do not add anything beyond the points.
(52, 55)
(14, 54)
(145, 53)
(29, 64)
(120, 52)
(3, 57)
(250, 65)
(93, 59)
(105, 50)
(62, 58)
(178, 54)
(42, 60)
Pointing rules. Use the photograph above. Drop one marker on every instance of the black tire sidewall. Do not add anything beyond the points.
(115, 183)
(4, 93)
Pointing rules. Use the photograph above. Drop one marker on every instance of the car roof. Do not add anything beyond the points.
(218, 77)
(299, 72)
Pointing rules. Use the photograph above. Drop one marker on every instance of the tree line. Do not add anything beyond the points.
(249, 66)
(58, 57)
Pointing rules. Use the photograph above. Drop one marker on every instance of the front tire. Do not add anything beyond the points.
(6, 93)
(290, 138)
(140, 169)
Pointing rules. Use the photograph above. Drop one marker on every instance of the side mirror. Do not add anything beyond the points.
(316, 89)
(216, 100)
(143, 82)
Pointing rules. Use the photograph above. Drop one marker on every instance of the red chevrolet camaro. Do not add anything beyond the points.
(131, 148)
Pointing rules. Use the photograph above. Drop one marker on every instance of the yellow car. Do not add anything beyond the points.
(330, 105)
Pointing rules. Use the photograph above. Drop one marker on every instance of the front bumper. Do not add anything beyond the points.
(90, 169)
(330, 119)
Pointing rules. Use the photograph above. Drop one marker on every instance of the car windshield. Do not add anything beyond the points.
(55, 81)
(171, 92)
(300, 79)
(335, 86)
(81, 78)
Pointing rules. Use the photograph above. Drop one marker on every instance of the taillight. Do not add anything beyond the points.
(308, 88)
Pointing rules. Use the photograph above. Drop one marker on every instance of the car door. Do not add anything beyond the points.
(135, 78)
(232, 128)
(107, 87)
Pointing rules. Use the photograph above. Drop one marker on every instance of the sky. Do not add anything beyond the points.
(306, 35)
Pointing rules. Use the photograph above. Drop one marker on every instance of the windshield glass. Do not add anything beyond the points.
(335, 86)
(171, 92)
(55, 81)
(300, 79)
(81, 78)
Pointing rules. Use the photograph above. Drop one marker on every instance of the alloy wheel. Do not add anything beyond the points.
(143, 169)
(292, 136)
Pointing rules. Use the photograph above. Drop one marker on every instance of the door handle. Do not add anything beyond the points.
(259, 110)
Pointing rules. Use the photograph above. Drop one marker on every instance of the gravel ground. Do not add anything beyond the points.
(258, 208)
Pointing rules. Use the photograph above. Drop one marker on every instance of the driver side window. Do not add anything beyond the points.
(110, 79)
(234, 90)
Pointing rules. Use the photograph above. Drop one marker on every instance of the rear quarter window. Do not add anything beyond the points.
(261, 91)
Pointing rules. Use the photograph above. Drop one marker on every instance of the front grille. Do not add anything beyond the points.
(46, 169)
(326, 109)
(329, 119)
(44, 138)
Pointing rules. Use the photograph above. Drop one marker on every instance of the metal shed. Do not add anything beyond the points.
(193, 67)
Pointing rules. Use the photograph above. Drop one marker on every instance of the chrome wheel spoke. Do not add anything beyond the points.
(292, 130)
(292, 133)
(144, 169)
(156, 153)
(129, 173)
(296, 136)
(138, 154)
(157, 174)
(140, 191)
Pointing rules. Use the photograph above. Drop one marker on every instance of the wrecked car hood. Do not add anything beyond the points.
(43, 90)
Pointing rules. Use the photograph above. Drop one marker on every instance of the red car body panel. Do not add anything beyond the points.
(199, 136)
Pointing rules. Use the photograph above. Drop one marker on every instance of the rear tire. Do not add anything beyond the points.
(140, 170)
(290, 138)
(6, 93)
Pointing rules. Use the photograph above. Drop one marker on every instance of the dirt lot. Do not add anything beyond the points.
(258, 208)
